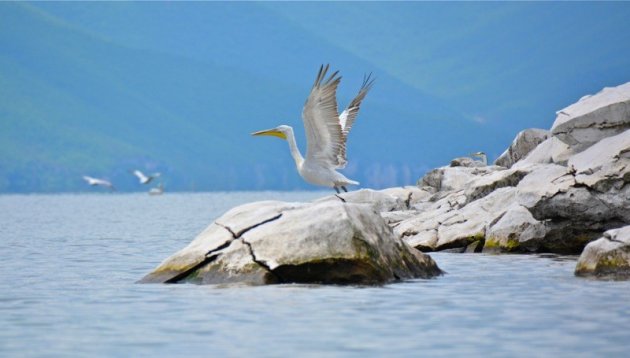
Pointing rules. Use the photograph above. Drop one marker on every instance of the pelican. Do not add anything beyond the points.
(326, 132)
(97, 182)
(482, 156)
(158, 190)
(145, 179)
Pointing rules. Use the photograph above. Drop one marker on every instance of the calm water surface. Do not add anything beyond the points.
(69, 262)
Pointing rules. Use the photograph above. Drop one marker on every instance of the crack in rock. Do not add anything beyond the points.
(213, 254)
(408, 201)
(239, 236)
(261, 263)
(243, 231)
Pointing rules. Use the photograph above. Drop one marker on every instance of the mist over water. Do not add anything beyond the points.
(69, 264)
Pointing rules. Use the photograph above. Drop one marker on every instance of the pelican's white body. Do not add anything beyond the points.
(312, 171)
(326, 132)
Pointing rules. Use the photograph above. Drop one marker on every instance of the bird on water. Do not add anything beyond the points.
(326, 132)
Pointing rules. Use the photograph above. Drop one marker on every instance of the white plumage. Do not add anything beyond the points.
(326, 132)
(98, 182)
(145, 179)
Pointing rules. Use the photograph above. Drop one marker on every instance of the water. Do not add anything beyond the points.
(69, 263)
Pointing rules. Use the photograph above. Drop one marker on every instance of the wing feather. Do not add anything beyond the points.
(321, 120)
(348, 116)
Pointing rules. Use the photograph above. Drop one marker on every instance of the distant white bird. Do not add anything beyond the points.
(145, 179)
(482, 156)
(326, 132)
(158, 190)
(98, 182)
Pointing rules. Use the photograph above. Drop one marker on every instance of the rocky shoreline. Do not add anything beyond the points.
(563, 190)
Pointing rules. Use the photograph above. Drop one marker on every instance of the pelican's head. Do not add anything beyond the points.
(478, 154)
(280, 131)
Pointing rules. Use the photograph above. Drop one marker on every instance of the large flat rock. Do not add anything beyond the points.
(330, 242)
(607, 257)
(595, 117)
(521, 146)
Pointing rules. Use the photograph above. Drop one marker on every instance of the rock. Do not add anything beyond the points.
(521, 146)
(515, 231)
(552, 150)
(445, 227)
(595, 117)
(329, 242)
(380, 200)
(487, 183)
(410, 195)
(467, 162)
(607, 257)
(544, 181)
(393, 218)
(215, 237)
(605, 165)
(471, 221)
(574, 212)
(454, 178)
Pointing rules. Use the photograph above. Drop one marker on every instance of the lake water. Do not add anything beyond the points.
(69, 263)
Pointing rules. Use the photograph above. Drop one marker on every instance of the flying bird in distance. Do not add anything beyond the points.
(144, 179)
(326, 132)
(98, 182)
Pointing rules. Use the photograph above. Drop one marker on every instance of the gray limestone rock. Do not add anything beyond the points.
(607, 257)
(380, 200)
(521, 146)
(329, 242)
(410, 195)
(552, 150)
(454, 178)
(595, 117)
(515, 231)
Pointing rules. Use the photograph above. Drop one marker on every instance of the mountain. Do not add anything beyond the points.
(507, 65)
(101, 88)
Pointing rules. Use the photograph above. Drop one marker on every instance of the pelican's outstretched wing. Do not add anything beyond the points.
(321, 121)
(140, 175)
(347, 117)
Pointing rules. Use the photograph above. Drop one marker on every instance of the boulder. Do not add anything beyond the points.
(515, 231)
(604, 166)
(328, 242)
(467, 162)
(445, 226)
(595, 117)
(379, 200)
(607, 257)
(410, 195)
(454, 178)
(552, 150)
(485, 184)
(215, 238)
(521, 146)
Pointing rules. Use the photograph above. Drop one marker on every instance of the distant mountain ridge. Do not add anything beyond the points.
(101, 88)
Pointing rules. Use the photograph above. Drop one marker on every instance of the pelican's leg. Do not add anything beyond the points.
(336, 189)
(344, 188)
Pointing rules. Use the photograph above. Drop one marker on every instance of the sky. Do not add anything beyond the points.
(104, 88)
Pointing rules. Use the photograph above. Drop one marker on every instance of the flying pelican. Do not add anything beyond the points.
(326, 132)
(482, 156)
(145, 179)
(96, 182)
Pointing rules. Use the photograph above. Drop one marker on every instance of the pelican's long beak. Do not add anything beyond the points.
(273, 132)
